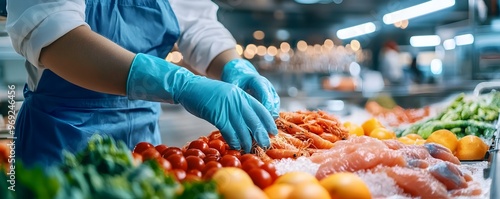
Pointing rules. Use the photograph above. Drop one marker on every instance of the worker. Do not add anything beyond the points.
(391, 68)
(97, 66)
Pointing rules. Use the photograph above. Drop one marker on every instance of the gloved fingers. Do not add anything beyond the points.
(230, 136)
(242, 132)
(265, 118)
(257, 129)
(263, 90)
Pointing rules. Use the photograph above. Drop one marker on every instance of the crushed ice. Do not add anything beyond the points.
(300, 164)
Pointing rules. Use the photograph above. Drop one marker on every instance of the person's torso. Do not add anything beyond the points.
(140, 26)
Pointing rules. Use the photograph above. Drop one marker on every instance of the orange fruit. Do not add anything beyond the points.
(309, 191)
(471, 147)
(296, 177)
(243, 191)
(420, 142)
(231, 175)
(354, 129)
(371, 124)
(345, 185)
(382, 133)
(278, 191)
(406, 140)
(414, 136)
(444, 137)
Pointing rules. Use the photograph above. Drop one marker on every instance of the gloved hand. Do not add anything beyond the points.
(238, 116)
(243, 74)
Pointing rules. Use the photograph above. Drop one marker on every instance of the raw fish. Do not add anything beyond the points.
(417, 182)
(441, 152)
(448, 174)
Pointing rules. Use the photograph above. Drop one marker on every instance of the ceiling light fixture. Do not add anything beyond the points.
(307, 1)
(425, 40)
(357, 30)
(449, 44)
(466, 39)
(417, 10)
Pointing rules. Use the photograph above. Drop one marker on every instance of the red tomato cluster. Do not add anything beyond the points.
(4, 154)
(201, 158)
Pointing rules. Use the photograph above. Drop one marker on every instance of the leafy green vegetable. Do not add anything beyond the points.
(462, 117)
(104, 169)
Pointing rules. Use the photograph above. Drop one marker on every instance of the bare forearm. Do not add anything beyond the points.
(214, 70)
(89, 60)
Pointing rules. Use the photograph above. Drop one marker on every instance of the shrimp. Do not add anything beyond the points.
(328, 123)
(293, 140)
(327, 116)
(262, 155)
(313, 127)
(280, 143)
(313, 151)
(215, 135)
(333, 127)
(330, 137)
(296, 118)
(311, 118)
(285, 153)
(289, 127)
(316, 140)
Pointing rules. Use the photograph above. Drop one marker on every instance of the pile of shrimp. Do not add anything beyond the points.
(303, 133)
(300, 133)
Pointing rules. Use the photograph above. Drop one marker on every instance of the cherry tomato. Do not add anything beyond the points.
(194, 162)
(195, 172)
(194, 152)
(171, 151)
(230, 161)
(204, 139)
(219, 145)
(137, 158)
(178, 161)
(212, 151)
(210, 158)
(141, 147)
(211, 164)
(232, 152)
(260, 177)
(165, 164)
(179, 174)
(248, 156)
(191, 178)
(271, 169)
(161, 147)
(198, 144)
(150, 153)
(251, 163)
(210, 172)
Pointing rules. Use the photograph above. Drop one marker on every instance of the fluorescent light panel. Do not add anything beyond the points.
(355, 31)
(466, 39)
(307, 1)
(425, 41)
(417, 10)
(449, 44)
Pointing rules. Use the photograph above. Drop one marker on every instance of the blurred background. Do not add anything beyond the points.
(336, 55)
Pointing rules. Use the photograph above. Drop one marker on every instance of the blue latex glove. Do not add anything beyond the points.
(243, 74)
(239, 117)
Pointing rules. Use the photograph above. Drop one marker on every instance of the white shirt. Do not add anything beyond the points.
(35, 24)
(391, 68)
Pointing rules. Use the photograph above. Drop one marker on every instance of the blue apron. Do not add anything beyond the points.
(60, 115)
